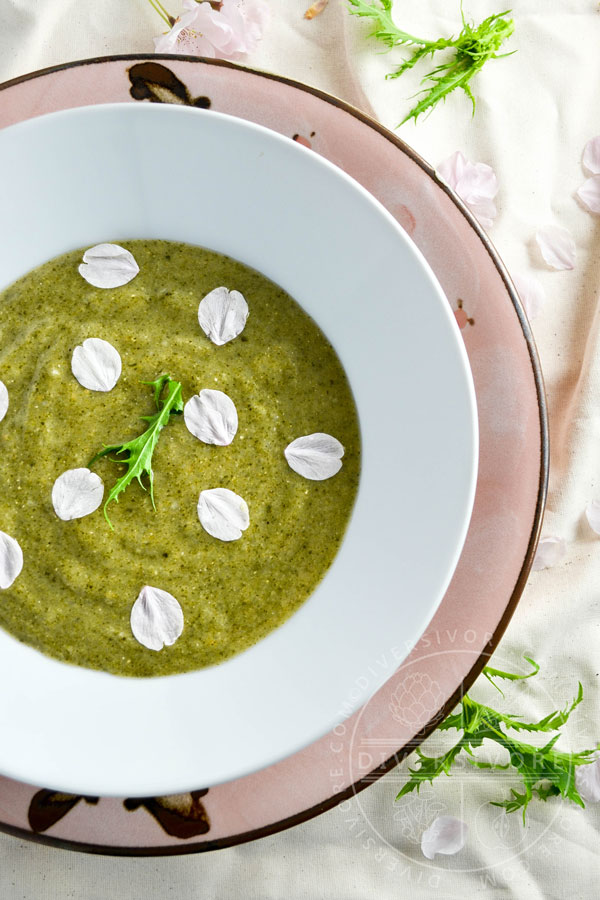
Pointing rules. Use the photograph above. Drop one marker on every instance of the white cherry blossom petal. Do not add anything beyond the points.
(223, 514)
(591, 155)
(96, 365)
(589, 193)
(557, 246)
(531, 292)
(315, 456)
(475, 183)
(3, 400)
(77, 493)
(587, 782)
(108, 266)
(446, 835)
(550, 551)
(11, 560)
(156, 618)
(222, 315)
(211, 416)
(592, 514)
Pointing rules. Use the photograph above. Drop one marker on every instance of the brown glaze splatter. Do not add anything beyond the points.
(461, 317)
(49, 807)
(180, 815)
(153, 82)
(305, 141)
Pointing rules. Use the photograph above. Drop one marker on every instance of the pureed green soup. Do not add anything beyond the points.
(80, 579)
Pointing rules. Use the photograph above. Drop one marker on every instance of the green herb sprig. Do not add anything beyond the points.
(473, 47)
(544, 772)
(139, 451)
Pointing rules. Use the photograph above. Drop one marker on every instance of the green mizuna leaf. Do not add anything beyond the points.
(470, 51)
(543, 771)
(137, 454)
(491, 673)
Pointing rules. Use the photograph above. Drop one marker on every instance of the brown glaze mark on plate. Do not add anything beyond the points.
(180, 815)
(153, 82)
(461, 316)
(305, 141)
(49, 807)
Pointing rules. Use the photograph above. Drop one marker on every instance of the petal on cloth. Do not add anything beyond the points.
(550, 551)
(446, 835)
(556, 246)
(592, 514)
(589, 193)
(591, 156)
(587, 782)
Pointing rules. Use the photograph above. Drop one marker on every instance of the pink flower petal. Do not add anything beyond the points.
(3, 400)
(592, 513)
(475, 183)
(531, 292)
(172, 40)
(589, 193)
(556, 246)
(11, 560)
(226, 33)
(156, 618)
(550, 551)
(223, 514)
(587, 782)
(211, 416)
(591, 156)
(315, 456)
(445, 835)
(77, 493)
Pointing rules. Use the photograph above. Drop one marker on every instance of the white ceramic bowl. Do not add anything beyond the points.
(113, 172)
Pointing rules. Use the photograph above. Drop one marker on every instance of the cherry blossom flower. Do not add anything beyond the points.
(475, 183)
(225, 33)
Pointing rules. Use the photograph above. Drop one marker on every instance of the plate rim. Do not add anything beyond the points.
(489, 648)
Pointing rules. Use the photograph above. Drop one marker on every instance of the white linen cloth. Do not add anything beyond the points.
(535, 112)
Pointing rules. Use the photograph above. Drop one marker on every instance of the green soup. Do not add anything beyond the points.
(74, 596)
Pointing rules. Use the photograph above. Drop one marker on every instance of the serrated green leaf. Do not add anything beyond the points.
(481, 764)
(452, 721)
(472, 49)
(543, 771)
(138, 452)
(491, 673)
(384, 29)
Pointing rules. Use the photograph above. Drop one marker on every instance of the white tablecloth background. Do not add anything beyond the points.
(535, 112)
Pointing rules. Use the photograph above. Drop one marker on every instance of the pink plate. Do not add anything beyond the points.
(511, 488)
